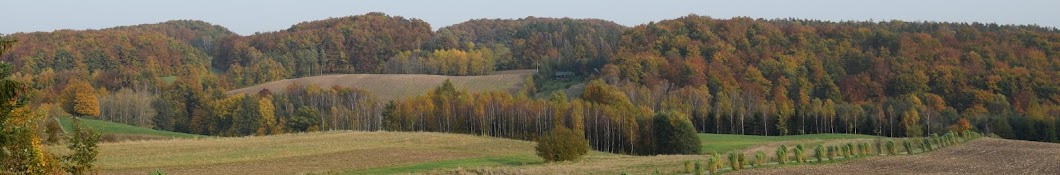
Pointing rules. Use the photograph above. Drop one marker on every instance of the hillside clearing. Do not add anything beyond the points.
(396, 86)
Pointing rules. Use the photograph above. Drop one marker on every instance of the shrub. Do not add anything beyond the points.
(879, 146)
(819, 153)
(782, 155)
(53, 130)
(83, 143)
(688, 166)
(800, 156)
(907, 145)
(867, 149)
(734, 161)
(861, 150)
(851, 150)
(760, 158)
(891, 149)
(714, 163)
(674, 134)
(831, 153)
(562, 144)
(742, 160)
(699, 167)
(846, 152)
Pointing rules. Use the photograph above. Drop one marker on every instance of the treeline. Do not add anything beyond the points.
(606, 117)
(183, 107)
(892, 78)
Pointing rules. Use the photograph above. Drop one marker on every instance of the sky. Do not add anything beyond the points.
(247, 17)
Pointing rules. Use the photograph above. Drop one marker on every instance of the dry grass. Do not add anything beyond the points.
(981, 156)
(299, 153)
(395, 86)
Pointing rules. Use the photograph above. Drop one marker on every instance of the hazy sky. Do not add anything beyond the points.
(248, 16)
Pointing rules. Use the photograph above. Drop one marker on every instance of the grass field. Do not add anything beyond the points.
(723, 143)
(395, 86)
(350, 152)
(112, 128)
(344, 152)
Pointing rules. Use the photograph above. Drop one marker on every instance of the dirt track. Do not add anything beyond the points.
(982, 156)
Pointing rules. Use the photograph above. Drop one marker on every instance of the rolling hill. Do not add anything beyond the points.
(395, 86)
(352, 152)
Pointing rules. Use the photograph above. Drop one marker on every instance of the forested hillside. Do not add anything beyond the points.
(740, 75)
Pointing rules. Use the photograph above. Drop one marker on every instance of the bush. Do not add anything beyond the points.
(742, 160)
(891, 149)
(819, 153)
(714, 163)
(879, 146)
(782, 155)
(699, 167)
(734, 161)
(800, 156)
(688, 166)
(851, 150)
(831, 153)
(83, 143)
(760, 158)
(562, 144)
(674, 134)
(53, 130)
(908, 147)
(845, 152)
(866, 149)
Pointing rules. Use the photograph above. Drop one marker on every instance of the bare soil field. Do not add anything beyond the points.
(981, 156)
(395, 86)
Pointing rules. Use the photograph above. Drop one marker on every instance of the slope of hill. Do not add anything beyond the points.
(320, 152)
(396, 86)
(348, 152)
(118, 129)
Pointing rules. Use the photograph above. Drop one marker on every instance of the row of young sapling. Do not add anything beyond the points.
(827, 154)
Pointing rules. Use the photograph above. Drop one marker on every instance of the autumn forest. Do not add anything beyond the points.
(734, 76)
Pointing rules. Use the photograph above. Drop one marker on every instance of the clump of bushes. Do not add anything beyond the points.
(674, 134)
(908, 146)
(891, 149)
(734, 161)
(688, 166)
(831, 153)
(800, 155)
(714, 163)
(562, 144)
(879, 146)
(819, 153)
(782, 155)
(699, 167)
(851, 150)
(760, 158)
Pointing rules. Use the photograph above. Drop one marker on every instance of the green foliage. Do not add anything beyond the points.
(84, 144)
(674, 134)
(53, 130)
(714, 163)
(699, 166)
(782, 155)
(819, 153)
(800, 155)
(891, 149)
(734, 161)
(760, 159)
(688, 167)
(832, 152)
(562, 144)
